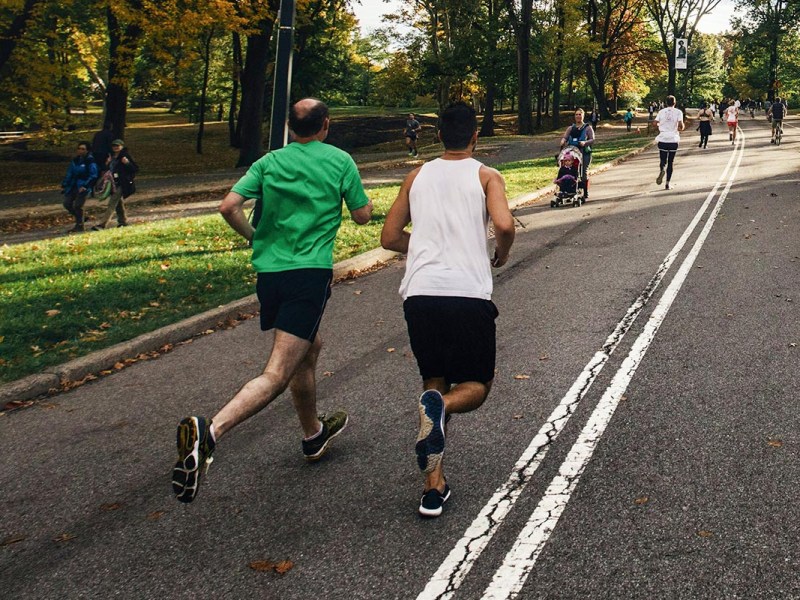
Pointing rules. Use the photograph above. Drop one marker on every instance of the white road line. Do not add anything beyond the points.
(512, 574)
(458, 563)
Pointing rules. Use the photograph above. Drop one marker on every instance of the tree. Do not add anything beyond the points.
(520, 17)
(677, 19)
(14, 25)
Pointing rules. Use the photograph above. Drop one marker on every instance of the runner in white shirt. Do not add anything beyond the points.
(732, 119)
(670, 124)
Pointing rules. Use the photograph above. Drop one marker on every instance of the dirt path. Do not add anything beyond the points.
(32, 216)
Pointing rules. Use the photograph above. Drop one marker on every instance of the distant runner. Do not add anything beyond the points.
(777, 112)
(411, 130)
(670, 124)
(732, 119)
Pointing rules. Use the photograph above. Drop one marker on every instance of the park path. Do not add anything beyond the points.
(37, 215)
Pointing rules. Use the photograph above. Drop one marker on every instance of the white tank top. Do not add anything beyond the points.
(447, 252)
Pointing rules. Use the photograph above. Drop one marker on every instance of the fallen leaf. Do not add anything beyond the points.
(52, 312)
(327, 374)
(262, 565)
(792, 345)
(48, 405)
(15, 404)
(704, 533)
(155, 515)
(522, 376)
(164, 266)
(111, 506)
(119, 366)
(284, 567)
(390, 349)
(12, 539)
(2, 337)
(775, 443)
(544, 357)
(641, 500)
(155, 304)
(517, 417)
(64, 537)
(358, 292)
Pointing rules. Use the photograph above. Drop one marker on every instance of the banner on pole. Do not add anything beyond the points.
(681, 52)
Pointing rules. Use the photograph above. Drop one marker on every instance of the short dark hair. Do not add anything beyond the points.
(457, 124)
(87, 144)
(670, 100)
(311, 121)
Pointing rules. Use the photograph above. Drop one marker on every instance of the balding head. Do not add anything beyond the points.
(307, 117)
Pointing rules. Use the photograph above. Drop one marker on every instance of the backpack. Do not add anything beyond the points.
(105, 186)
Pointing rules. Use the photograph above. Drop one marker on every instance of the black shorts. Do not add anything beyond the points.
(293, 301)
(452, 337)
(412, 135)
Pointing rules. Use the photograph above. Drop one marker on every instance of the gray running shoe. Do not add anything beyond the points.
(660, 177)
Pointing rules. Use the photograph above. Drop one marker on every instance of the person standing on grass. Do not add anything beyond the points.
(628, 118)
(581, 135)
(411, 131)
(447, 288)
(123, 169)
(78, 182)
(301, 188)
(670, 123)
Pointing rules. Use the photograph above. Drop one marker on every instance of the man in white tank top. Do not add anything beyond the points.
(447, 288)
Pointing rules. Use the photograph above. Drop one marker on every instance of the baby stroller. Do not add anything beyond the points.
(570, 188)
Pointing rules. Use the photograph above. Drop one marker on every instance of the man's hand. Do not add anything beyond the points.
(498, 262)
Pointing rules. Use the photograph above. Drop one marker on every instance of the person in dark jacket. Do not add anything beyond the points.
(78, 182)
(123, 168)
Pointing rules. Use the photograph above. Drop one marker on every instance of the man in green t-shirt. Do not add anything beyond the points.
(301, 188)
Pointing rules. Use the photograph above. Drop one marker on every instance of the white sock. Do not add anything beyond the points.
(308, 439)
(213, 435)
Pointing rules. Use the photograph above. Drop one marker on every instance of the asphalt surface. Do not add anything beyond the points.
(684, 491)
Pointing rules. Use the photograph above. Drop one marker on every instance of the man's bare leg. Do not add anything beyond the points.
(304, 390)
(288, 353)
(462, 398)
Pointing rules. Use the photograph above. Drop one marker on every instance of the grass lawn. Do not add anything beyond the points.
(66, 297)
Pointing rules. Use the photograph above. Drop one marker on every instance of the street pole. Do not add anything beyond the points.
(281, 88)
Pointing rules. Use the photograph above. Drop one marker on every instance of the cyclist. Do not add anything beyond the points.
(777, 112)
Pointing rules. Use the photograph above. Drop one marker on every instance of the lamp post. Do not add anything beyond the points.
(281, 89)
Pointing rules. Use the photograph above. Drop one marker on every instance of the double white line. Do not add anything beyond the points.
(512, 574)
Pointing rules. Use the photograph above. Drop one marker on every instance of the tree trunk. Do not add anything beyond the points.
(122, 45)
(204, 89)
(487, 127)
(233, 132)
(254, 78)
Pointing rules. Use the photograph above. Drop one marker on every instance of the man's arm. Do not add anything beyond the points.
(231, 210)
(362, 215)
(394, 236)
(497, 205)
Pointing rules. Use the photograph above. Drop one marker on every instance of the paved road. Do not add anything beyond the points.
(646, 457)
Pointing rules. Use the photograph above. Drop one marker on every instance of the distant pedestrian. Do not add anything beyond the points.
(101, 145)
(594, 119)
(670, 123)
(447, 287)
(628, 118)
(705, 116)
(78, 182)
(123, 169)
(581, 135)
(301, 188)
(651, 108)
(732, 119)
(723, 106)
(411, 132)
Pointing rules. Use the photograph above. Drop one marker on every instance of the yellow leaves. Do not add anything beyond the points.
(391, 349)
(280, 568)
(704, 533)
(775, 443)
(521, 377)
(2, 337)
(641, 500)
(52, 312)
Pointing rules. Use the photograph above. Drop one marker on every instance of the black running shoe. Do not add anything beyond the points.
(195, 447)
(432, 501)
(331, 427)
(430, 440)
(660, 177)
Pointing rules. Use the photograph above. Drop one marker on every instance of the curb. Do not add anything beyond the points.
(62, 377)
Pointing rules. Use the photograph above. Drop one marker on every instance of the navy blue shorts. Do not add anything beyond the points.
(452, 337)
(294, 301)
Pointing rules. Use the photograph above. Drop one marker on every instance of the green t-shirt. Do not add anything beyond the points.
(302, 187)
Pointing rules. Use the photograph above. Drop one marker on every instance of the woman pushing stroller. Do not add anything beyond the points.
(581, 136)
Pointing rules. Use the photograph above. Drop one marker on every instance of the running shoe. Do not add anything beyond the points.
(432, 501)
(195, 447)
(660, 177)
(668, 186)
(332, 426)
(430, 441)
